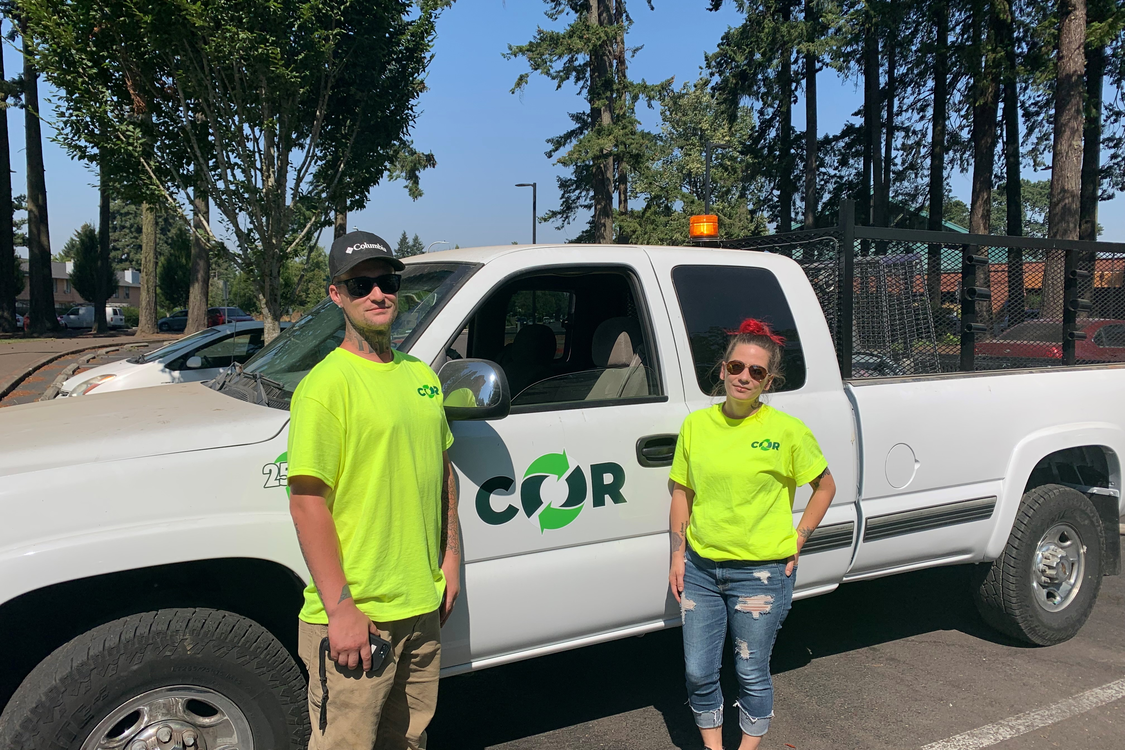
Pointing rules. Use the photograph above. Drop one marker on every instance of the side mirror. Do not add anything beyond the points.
(474, 389)
(193, 363)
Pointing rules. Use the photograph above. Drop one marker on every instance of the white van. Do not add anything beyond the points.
(82, 316)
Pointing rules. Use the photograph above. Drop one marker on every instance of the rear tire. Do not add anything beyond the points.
(178, 670)
(1045, 583)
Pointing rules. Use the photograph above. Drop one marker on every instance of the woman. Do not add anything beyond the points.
(734, 548)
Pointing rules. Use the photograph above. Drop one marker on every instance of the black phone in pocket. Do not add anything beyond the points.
(380, 650)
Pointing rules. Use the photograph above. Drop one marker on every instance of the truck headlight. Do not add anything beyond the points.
(88, 385)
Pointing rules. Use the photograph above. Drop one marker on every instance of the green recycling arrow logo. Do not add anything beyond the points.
(553, 465)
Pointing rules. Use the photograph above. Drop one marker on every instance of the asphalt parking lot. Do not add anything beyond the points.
(901, 662)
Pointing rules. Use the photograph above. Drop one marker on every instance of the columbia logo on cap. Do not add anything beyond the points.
(365, 246)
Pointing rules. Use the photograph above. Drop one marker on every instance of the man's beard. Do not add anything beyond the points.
(373, 338)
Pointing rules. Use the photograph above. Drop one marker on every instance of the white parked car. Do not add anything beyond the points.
(150, 575)
(82, 316)
(200, 356)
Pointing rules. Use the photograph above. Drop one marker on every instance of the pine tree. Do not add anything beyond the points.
(670, 188)
(89, 277)
(8, 259)
(174, 275)
(606, 142)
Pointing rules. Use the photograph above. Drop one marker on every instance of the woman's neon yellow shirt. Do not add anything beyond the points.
(374, 433)
(744, 473)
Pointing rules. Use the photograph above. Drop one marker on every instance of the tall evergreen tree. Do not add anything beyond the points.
(754, 61)
(1066, 160)
(90, 277)
(606, 142)
(671, 186)
(8, 260)
(40, 282)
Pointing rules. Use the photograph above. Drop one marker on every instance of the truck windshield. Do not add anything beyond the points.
(281, 364)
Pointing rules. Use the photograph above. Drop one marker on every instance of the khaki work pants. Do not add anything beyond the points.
(385, 709)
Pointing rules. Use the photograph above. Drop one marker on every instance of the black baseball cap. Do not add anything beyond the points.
(355, 247)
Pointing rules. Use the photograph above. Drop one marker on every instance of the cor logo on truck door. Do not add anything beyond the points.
(607, 480)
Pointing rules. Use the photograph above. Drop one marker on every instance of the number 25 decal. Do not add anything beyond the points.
(277, 473)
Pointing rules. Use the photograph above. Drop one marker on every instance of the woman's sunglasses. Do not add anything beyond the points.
(361, 286)
(759, 373)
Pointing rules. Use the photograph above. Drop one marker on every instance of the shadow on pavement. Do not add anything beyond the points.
(521, 700)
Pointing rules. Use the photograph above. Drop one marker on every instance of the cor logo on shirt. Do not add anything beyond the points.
(428, 390)
(765, 445)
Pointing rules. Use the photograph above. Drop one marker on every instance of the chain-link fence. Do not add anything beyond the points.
(931, 302)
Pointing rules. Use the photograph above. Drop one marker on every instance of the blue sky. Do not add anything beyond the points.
(486, 139)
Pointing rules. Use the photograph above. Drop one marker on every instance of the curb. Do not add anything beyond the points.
(12, 384)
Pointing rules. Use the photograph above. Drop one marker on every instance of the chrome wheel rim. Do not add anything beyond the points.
(179, 717)
(1059, 567)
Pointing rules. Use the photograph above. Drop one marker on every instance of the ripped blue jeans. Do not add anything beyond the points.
(752, 598)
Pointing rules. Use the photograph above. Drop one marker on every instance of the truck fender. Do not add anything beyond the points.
(1029, 452)
(267, 536)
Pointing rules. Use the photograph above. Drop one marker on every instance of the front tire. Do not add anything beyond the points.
(1045, 583)
(159, 677)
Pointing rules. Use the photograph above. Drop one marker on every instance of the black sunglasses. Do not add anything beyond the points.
(361, 286)
(757, 372)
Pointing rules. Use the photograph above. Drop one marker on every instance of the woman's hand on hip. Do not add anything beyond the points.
(791, 563)
(676, 575)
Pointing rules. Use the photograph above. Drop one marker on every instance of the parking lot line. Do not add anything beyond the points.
(1032, 720)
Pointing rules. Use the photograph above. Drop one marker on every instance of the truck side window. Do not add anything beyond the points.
(565, 339)
(716, 299)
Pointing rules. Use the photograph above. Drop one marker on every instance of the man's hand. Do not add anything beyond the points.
(348, 636)
(452, 571)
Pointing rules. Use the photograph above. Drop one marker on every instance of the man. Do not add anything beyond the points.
(373, 500)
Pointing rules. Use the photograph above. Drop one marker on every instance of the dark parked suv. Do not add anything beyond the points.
(177, 321)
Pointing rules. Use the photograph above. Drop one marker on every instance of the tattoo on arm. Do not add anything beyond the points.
(452, 542)
(804, 532)
(345, 593)
(816, 482)
(676, 539)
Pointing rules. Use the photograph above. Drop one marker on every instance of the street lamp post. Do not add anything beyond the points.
(435, 242)
(533, 209)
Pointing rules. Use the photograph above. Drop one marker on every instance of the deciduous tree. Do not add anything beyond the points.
(267, 102)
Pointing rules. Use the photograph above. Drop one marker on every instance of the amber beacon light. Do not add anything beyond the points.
(703, 227)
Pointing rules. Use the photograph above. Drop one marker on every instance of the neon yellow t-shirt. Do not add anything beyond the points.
(374, 433)
(744, 474)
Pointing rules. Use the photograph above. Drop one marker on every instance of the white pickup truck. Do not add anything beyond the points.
(149, 587)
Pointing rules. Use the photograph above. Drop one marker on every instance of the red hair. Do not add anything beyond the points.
(755, 327)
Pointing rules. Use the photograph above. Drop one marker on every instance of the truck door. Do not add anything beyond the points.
(564, 503)
(709, 293)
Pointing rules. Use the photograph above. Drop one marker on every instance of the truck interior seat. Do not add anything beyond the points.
(617, 349)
